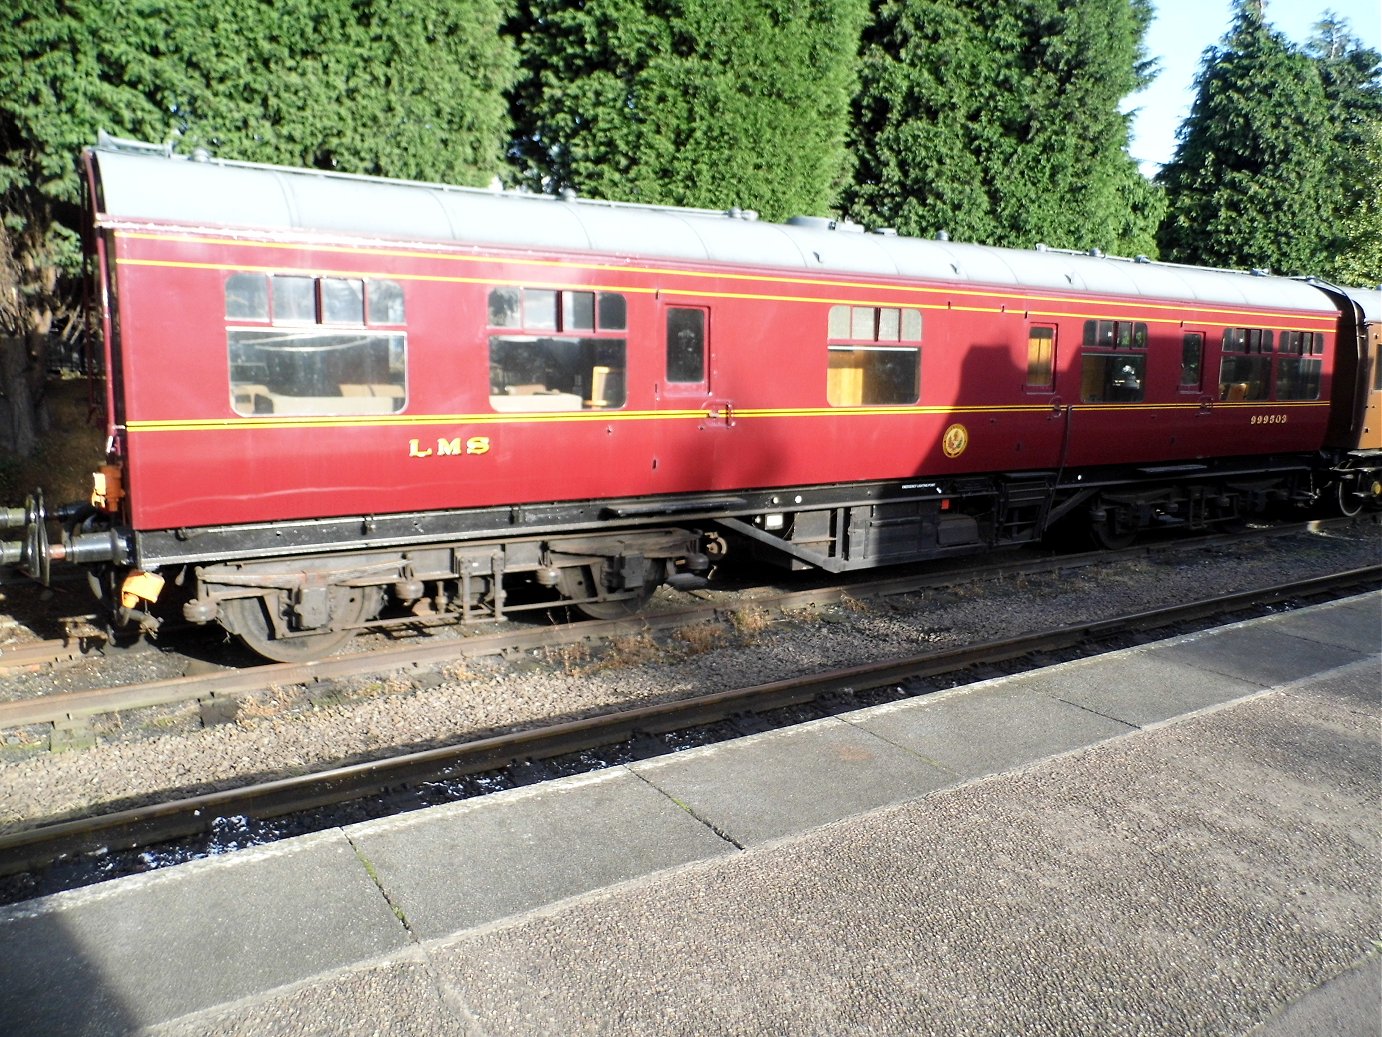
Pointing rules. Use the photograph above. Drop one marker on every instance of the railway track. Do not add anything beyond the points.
(163, 822)
(81, 639)
(219, 693)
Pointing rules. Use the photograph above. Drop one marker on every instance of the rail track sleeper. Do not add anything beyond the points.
(161, 822)
(49, 709)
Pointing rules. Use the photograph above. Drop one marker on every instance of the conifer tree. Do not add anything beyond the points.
(714, 103)
(410, 90)
(998, 121)
(1250, 183)
(1352, 78)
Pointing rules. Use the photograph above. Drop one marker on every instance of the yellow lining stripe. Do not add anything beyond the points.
(1295, 325)
(914, 289)
(428, 420)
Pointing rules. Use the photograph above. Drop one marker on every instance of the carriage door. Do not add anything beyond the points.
(1192, 370)
(1040, 387)
(687, 371)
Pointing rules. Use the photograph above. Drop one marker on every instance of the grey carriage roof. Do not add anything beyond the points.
(147, 182)
(1370, 300)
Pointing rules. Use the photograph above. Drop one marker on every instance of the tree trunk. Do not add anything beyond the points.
(21, 399)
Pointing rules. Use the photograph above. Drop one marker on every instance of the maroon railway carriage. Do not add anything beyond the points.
(329, 394)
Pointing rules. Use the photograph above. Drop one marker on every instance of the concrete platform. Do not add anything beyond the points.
(1176, 839)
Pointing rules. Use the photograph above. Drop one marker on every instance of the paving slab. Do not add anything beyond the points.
(1359, 686)
(1354, 623)
(1264, 653)
(1139, 686)
(394, 998)
(1190, 879)
(139, 951)
(988, 727)
(461, 865)
(1203, 877)
(1349, 1005)
(766, 786)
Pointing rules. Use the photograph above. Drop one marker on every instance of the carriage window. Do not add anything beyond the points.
(540, 309)
(1298, 369)
(861, 370)
(533, 367)
(1247, 340)
(861, 376)
(383, 302)
(685, 345)
(1117, 373)
(613, 314)
(1113, 377)
(1115, 334)
(343, 302)
(1246, 367)
(294, 300)
(247, 297)
(297, 365)
(300, 371)
(555, 373)
(578, 311)
(1191, 359)
(504, 308)
(873, 324)
(1041, 357)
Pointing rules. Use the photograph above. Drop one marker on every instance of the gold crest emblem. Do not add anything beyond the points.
(955, 440)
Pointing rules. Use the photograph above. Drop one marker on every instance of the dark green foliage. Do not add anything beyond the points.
(1358, 261)
(998, 121)
(1251, 183)
(1352, 78)
(412, 90)
(713, 103)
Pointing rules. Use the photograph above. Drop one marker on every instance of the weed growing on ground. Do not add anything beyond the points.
(750, 622)
(634, 650)
(701, 637)
(569, 658)
(273, 702)
(458, 672)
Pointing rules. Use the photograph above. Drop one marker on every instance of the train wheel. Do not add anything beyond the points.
(1346, 496)
(579, 582)
(249, 619)
(1107, 532)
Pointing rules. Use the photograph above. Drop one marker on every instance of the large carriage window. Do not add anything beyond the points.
(1119, 375)
(861, 376)
(307, 346)
(533, 366)
(1298, 368)
(1246, 368)
(863, 370)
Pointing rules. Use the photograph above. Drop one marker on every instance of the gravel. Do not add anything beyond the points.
(284, 731)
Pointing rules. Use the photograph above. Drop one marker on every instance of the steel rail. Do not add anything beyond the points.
(162, 822)
(67, 707)
(36, 656)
